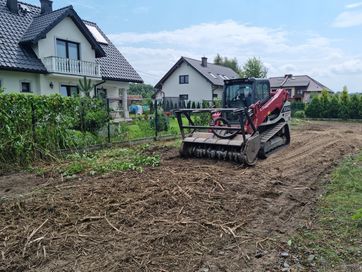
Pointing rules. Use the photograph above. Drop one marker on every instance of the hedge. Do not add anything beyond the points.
(343, 106)
(33, 126)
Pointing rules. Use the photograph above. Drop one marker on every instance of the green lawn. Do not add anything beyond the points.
(337, 239)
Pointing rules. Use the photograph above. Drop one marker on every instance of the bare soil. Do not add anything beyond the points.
(186, 215)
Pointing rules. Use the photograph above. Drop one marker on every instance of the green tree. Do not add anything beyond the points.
(193, 105)
(85, 86)
(334, 107)
(231, 63)
(254, 67)
(324, 104)
(344, 104)
(354, 107)
(145, 90)
(313, 109)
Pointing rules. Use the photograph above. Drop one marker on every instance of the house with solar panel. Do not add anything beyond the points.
(194, 80)
(45, 51)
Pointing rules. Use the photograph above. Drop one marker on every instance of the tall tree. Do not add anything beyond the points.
(254, 67)
(231, 63)
(344, 108)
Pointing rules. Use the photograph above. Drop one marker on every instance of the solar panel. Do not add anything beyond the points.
(96, 34)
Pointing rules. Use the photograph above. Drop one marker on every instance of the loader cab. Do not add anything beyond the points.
(240, 93)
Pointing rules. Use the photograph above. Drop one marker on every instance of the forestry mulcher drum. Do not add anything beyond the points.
(252, 124)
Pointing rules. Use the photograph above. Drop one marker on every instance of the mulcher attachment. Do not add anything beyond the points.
(204, 145)
(223, 141)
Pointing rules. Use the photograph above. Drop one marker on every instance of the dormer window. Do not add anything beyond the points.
(68, 50)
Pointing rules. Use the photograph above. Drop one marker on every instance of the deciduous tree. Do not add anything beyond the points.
(254, 67)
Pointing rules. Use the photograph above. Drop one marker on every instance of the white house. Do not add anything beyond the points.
(46, 52)
(194, 80)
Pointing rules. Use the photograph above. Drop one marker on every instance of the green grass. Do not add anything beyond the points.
(337, 239)
(104, 161)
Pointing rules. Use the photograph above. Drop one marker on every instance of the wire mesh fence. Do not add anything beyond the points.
(33, 127)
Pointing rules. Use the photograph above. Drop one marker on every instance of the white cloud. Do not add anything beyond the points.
(153, 53)
(352, 66)
(348, 19)
(354, 5)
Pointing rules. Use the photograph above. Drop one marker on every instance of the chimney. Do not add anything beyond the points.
(46, 6)
(204, 61)
(12, 6)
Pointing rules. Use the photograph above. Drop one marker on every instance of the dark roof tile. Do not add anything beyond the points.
(19, 31)
(114, 65)
(298, 81)
(12, 28)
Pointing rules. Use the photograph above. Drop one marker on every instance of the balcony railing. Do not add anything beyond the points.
(72, 67)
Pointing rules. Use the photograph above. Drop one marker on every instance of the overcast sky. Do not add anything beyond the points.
(320, 38)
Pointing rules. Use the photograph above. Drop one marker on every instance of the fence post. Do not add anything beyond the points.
(81, 116)
(109, 123)
(156, 119)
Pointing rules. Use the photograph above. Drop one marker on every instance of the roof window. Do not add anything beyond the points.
(211, 74)
(97, 35)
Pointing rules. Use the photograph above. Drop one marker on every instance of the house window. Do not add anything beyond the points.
(215, 95)
(25, 87)
(289, 93)
(67, 90)
(184, 79)
(299, 91)
(68, 50)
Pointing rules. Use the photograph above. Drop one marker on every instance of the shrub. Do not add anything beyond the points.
(313, 109)
(299, 114)
(342, 106)
(93, 114)
(217, 103)
(33, 126)
(354, 107)
(163, 123)
(297, 106)
(202, 119)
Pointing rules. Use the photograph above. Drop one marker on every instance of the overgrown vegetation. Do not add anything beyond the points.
(104, 161)
(33, 126)
(146, 90)
(342, 106)
(337, 239)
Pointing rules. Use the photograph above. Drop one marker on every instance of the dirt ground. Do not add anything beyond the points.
(186, 215)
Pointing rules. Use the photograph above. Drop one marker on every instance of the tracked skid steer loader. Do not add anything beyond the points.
(252, 124)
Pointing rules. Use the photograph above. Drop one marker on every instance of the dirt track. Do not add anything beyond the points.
(192, 215)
